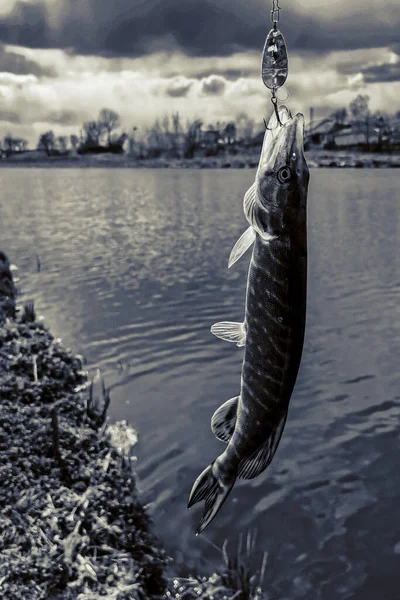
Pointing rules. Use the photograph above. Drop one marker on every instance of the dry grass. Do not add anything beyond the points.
(238, 580)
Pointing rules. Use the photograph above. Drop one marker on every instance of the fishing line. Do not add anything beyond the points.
(274, 68)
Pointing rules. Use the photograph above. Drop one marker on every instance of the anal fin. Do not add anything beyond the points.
(223, 420)
(243, 244)
(230, 332)
(257, 462)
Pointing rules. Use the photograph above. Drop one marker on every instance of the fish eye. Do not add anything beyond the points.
(284, 174)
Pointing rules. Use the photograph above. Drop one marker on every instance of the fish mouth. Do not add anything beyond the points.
(282, 140)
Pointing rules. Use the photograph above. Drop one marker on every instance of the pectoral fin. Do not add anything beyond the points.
(224, 419)
(243, 243)
(230, 332)
(249, 202)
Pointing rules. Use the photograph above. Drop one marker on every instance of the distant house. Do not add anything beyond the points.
(349, 139)
(324, 133)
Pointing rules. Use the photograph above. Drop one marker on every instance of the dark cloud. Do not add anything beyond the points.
(380, 73)
(11, 62)
(10, 116)
(65, 117)
(178, 88)
(213, 86)
(350, 68)
(198, 27)
(26, 25)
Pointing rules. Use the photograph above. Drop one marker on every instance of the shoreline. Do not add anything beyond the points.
(316, 159)
(73, 526)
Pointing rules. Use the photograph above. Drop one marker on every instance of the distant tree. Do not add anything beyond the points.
(384, 128)
(359, 110)
(8, 143)
(192, 137)
(245, 127)
(132, 141)
(176, 123)
(108, 121)
(92, 132)
(62, 143)
(359, 107)
(340, 115)
(166, 124)
(47, 142)
(74, 141)
(12, 145)
(230, 133)
(155, 139)
(177, 135)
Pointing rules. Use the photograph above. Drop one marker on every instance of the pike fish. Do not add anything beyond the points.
(272, 333)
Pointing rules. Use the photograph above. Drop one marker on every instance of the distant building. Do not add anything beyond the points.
(324, 133)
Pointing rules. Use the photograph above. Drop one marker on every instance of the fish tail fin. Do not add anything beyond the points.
(210, 488)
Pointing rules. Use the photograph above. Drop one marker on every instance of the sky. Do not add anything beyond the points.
(62, 61)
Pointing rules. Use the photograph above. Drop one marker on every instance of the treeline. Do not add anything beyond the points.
(380, 129)
(173, 137)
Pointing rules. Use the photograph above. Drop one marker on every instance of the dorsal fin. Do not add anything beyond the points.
(224, 419)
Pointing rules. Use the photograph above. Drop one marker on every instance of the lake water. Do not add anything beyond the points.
(134, 273)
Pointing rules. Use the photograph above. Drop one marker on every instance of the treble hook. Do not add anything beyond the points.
(274, 101)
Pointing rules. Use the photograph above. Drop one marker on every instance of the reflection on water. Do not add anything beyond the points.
(134, 272)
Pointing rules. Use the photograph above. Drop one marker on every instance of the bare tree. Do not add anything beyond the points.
(62, 143)
(177, 135)
(340, 115)
(74, 141)
(155, 139)
(93, 131)
(108, 121)
(12, 145)
(192, 138)
(47, 142)
(359, 111)
(230, 133)
(245, 127)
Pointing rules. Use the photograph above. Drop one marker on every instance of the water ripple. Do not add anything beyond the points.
(134, 273)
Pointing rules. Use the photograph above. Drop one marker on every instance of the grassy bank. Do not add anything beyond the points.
(316, 159)
(72, 525)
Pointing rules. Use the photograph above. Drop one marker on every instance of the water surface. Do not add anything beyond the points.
(134, 273)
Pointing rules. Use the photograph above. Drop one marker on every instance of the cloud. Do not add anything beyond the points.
(213, 85)
(382, 72)
(14, 62)
(10, 116)
(179, 87)
(197, 27)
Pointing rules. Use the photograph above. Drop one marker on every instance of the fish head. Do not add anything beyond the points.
(282, 176)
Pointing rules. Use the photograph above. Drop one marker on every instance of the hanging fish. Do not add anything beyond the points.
(275, 64)
(273, 329)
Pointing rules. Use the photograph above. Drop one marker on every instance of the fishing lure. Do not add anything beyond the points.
(275, 62)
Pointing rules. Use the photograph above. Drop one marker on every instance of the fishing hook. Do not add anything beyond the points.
(274, 101)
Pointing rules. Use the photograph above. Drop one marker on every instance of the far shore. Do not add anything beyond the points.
(315, 158)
